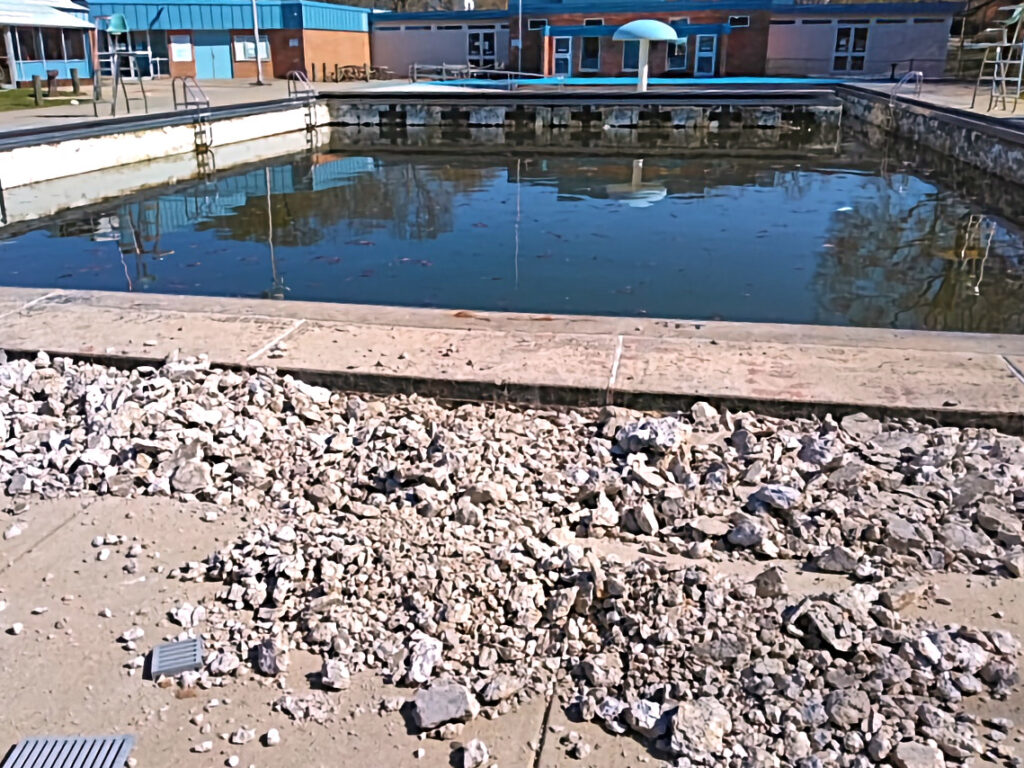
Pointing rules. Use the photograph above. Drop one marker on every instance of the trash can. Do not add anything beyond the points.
(51, 82)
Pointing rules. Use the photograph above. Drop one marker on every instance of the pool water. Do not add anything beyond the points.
(848, 238)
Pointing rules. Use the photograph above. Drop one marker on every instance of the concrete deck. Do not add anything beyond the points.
(158, 92)
(954, 95)
(577, 360)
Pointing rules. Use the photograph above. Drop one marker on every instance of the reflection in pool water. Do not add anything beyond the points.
(807, 239)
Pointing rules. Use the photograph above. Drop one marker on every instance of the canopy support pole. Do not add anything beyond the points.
(645, 49)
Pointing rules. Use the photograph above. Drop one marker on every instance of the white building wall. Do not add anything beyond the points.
(807, 46)
(399, 46)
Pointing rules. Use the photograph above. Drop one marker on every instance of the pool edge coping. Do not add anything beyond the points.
(656, 364)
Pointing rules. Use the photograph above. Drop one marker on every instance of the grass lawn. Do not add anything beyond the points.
(21, 98)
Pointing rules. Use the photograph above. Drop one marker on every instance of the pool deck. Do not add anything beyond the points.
(565, 360)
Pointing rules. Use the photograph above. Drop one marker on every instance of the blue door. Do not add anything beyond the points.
(213, 54)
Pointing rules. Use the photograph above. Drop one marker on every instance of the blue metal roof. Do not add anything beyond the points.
(468, 17)
(556, 7)
(234, 14)
(869, 9)
(681, 30)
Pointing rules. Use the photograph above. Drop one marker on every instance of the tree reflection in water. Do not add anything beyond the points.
(921, 261)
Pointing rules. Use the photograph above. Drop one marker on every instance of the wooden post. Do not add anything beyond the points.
(337, 73)
(37, 90)
(76, 82)
(312, 72)
(366, 71)
(324, 72)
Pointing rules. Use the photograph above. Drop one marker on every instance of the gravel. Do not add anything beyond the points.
(457, 551)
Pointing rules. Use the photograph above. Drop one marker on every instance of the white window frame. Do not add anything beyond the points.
(242, 46)
(685, 45)
(536, 25)
(587, 23)
(744, 25)
(849, 54)
(625, 45)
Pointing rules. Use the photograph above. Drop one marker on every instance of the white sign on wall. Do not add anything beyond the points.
(181, 48)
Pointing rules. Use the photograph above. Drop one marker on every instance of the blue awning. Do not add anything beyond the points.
(683, 30)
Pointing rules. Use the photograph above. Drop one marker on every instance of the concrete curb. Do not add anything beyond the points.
(949, 378)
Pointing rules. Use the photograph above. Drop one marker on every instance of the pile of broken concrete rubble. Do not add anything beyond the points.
(485, 554)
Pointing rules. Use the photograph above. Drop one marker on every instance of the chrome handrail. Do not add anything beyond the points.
(299, 86)
(192, 95)
(916, 76)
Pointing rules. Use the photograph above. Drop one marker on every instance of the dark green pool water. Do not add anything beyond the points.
(847, 238)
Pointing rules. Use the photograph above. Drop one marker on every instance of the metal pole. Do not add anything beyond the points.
(256, 37)
(641, 81)
(519, 67)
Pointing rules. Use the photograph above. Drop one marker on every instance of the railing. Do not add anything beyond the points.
(299, 86)
(445, 72)
(192, 96)
(916, 77)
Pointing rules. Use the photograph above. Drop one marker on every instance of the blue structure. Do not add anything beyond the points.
(213, 38)
(38, 38)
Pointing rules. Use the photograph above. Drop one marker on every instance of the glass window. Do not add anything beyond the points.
(27, 42)
(563, 44)
(53, 49)
(706, 43)
(536, 23)
(245, 49)
(562, 66)
(593, 22)
(74, 43)
(677, 55)
(851, 47)
(739, 21)
(630, 56)
(590, 53)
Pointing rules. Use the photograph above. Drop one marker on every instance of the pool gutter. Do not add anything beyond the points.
(950, 378)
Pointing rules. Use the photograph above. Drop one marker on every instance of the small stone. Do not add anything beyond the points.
(334, 675)
(242, 736)
(16, 628)
(837, 560)
(913, 755)
(473, 754)
(271, 738)
(443, 702)
(203, 746)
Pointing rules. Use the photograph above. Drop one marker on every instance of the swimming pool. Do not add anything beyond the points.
(854, 236)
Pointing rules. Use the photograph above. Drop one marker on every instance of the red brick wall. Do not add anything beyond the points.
(334, 48)
(247, 69)
(743, 50)
(286, 57)
(180, 68)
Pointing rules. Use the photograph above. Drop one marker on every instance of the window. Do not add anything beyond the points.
(74, 43)
(417, 27)
(53, 48)
(816, 21)
(385, 29)
(245, 49)
(27, 43)
(676, 52)
(928, 21)
(449, 26)
(630, 55)
(481, 26)
(782, 22)
(851, 46)
(590, 50)
(536, 24)
(890, 21)
(739, 21)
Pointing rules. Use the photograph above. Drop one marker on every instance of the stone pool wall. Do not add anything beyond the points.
(711, 115)
(993, 148)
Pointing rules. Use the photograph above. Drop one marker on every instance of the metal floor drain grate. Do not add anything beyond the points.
(174, 658)
(71, 752)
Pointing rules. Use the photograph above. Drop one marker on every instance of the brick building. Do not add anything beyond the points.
(214, 38)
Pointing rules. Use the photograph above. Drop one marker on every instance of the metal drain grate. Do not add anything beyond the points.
(71, 752)
(174, 658)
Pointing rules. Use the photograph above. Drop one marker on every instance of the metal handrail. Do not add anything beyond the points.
(299, 86)
(192, 95)
(917, 76)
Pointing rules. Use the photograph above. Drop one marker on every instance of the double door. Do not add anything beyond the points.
(482, 50)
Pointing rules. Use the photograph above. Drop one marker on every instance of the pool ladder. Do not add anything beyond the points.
(193, 97)
(300, 89)
(915, 79)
